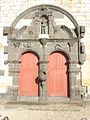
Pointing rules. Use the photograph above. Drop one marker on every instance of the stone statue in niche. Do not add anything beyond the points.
(43, 28)
(44, 24)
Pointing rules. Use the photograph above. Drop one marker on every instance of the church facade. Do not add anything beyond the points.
(45, 52)
(43, 57)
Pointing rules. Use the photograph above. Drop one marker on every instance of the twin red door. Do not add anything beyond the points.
(57, 75)
(28, 85)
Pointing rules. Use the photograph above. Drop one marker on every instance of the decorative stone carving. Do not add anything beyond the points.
(27, 45)
(43, 41)
(44, 8)
(70, 45)
(43, 75)
(43, 72)
(16, 44)
(67, 29)
(57, 47)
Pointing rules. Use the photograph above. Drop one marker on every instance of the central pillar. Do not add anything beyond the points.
(43, 76)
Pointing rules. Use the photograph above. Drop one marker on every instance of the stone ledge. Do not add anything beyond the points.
(45, 106)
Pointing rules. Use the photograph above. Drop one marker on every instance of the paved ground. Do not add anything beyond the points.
(51, 111)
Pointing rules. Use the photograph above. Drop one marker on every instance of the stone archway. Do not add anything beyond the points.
(60, 38)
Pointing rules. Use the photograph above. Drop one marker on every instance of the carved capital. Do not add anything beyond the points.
(43, 41)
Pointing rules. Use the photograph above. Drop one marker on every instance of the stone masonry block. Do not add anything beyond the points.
(6, 30)
(1, 72)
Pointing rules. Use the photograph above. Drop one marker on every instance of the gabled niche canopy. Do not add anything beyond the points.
(49, 20)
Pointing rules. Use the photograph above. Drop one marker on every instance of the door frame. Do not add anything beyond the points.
(37, 66)
(27, 98)
(68, 84)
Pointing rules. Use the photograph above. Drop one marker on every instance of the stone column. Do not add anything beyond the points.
(43, 80)
(43, 75)
(51, 27)
(37, 26)
(74, 82)
(14, 71)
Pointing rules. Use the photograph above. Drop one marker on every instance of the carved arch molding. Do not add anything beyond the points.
(59, 37)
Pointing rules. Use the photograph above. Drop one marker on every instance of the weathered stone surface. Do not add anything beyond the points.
(46, 111)
(6, 30)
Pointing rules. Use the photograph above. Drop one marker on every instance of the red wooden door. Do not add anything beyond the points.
(57, 75)
(28, 83)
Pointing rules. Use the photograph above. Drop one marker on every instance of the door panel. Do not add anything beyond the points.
(57, 75)
(28, 85)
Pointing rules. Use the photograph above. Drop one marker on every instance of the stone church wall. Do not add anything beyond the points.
(9, 10)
